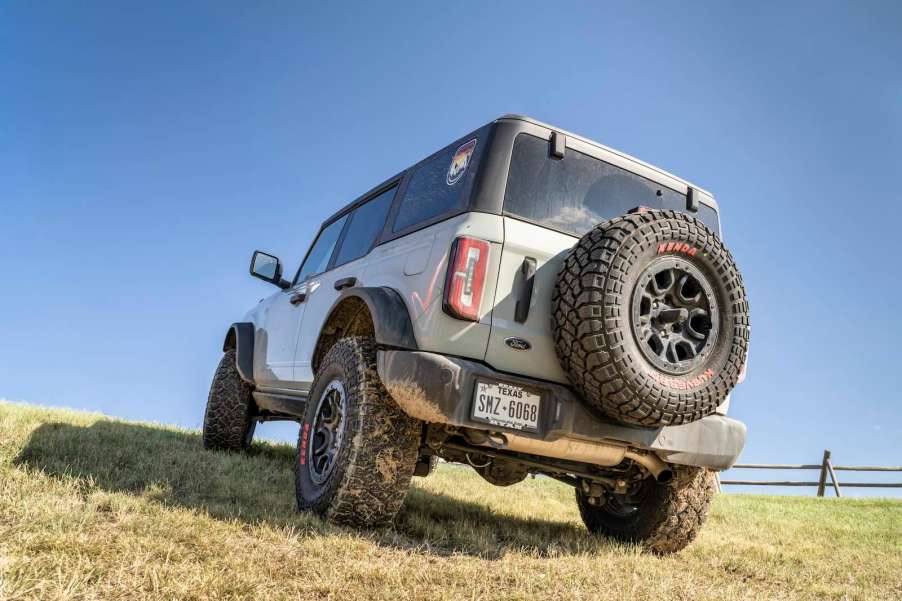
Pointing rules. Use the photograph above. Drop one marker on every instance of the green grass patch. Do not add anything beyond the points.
(95, 508)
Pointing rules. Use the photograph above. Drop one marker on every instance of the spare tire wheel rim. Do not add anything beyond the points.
(328, 431)
(675, 315)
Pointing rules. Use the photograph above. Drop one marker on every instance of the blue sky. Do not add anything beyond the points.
(146, 149)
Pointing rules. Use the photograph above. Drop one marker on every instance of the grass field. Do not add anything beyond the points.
(93, 508)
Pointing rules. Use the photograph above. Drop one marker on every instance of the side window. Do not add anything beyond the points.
(435, 187)
(367, 222)
(318, 258)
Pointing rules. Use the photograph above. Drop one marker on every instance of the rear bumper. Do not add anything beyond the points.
(439, 389)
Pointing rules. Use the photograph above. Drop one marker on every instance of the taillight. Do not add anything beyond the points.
(465, 279)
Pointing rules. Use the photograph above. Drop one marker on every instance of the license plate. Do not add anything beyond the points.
(506, 405)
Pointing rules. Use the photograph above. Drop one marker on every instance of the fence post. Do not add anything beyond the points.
(833, 478)
(822, 483)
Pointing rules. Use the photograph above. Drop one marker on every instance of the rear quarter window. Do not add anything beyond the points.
(435, 189)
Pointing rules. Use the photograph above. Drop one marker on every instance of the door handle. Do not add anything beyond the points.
(343, 283)
(297, 298)
(527, 281)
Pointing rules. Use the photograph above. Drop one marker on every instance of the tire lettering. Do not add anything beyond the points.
(677, 247)
(304, 435)
(680, 384)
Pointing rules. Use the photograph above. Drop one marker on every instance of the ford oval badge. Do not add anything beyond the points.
(518, 344)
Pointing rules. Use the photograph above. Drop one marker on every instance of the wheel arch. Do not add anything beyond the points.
(240, 338)
(376, 311)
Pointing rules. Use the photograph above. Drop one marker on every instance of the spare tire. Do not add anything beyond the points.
(650, 319)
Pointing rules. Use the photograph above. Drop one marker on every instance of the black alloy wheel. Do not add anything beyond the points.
(328, 431)
(675, 315)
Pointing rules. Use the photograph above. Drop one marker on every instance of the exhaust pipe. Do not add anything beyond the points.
(657, 468)
(597, 453)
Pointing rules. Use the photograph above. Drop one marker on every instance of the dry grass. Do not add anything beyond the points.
(92, 508)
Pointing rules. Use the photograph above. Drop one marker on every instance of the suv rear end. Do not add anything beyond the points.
(533, 192)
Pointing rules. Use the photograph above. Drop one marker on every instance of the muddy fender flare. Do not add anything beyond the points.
(391, 319)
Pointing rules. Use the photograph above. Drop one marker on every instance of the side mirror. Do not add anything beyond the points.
(268, 268)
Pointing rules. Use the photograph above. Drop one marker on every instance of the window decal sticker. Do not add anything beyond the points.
(460, 161)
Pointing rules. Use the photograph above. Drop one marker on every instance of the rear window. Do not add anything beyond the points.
(576, 193)
(436, 187)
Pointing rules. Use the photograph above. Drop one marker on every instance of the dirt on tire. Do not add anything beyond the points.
(667, 518)
(626, 371)
(379, 447)
(228, 419)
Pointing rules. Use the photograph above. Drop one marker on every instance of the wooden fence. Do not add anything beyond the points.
(826, 468)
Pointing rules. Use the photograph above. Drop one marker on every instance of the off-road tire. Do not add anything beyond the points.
(228, 419)
(668, 518)
(593, 329)
(379, 446)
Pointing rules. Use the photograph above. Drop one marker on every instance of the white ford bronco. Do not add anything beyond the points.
(524, 301)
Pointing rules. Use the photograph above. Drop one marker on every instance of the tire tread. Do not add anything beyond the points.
(669, 518)
(228, 415)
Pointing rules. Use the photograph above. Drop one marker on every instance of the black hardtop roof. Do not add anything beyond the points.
(506, 117)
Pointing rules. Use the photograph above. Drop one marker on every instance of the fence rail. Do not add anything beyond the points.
(827, 469)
